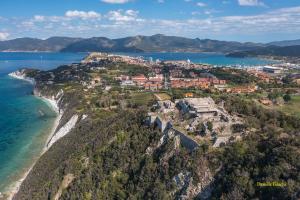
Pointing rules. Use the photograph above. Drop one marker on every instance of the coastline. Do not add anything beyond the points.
(14, 187)
(19, 75)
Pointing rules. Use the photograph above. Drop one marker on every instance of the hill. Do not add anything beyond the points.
(155, 43)
(288, 51)
(32, 44)
(285, 43)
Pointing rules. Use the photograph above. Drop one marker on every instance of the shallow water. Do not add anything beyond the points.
(25, 121)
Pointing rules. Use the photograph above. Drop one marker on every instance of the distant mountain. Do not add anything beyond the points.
(158, 43)
(155, 43)
(32, 44)
(288, 51)
(285, 43)
(99, 44)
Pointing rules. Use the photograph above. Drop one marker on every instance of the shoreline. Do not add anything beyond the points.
(19, 75)
(14, 187)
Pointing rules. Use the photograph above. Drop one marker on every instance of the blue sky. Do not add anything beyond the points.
(237, 20)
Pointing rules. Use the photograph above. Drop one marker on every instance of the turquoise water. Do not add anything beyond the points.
(208, 58)
(25, 120)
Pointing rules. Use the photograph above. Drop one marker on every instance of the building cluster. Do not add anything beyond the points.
(242, 89)
(97, 57)
(201, 83)
(187, 64)
(151, 83)
(264, 77)
(201, 112)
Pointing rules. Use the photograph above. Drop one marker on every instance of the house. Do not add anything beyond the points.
(189, 95)
(153, 86)
(122, 78)
(264, 77)
(157, 78)
(177, 73)
(140, 80)
(242, 89)
(127, 83)
(189, 83)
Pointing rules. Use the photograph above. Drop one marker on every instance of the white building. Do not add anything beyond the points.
(273, 70)
(200, 107)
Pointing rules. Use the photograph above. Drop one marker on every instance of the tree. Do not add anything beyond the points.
(287, 98)
(209, 125)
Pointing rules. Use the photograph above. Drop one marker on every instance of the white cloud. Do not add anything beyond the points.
(250, 3)
(123, 16)
(112, 24)
(39, 18)
(116, 1)
(82, 14)
(201, 4)
(4, 35)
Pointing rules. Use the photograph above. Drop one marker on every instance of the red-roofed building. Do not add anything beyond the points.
(153, 86)
(139, 79)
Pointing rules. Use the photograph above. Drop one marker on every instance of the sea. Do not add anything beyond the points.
(25, 120)
(215, 59)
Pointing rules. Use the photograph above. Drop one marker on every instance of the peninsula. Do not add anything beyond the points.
(132, 128)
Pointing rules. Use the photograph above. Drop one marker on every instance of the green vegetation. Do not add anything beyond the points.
(268, 155)
(234, 76)
(292, 106)
(112, 154)
(162, 96)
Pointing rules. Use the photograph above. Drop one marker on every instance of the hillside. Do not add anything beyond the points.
(288, 51)
(31, 44)
(155, 43)
(285, 43)
(112, 154)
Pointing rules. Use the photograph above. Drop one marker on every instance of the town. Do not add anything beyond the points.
(189, 119)
(183, 97)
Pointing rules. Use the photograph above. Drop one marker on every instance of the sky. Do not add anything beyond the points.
(230, 20)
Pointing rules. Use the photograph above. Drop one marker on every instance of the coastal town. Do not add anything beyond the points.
(189, 107)
(181, 95)
(150, 100)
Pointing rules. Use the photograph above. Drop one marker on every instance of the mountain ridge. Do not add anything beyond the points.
(34, 44)
(286, 51)
(285, 43)
(139, 43)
